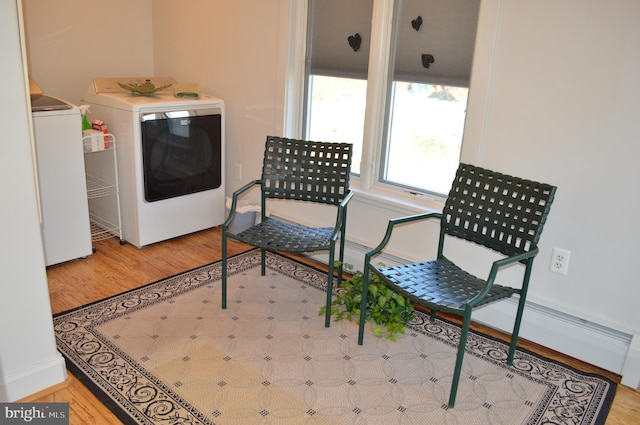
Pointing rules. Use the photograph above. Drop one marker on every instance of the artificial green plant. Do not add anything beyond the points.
(389, 310)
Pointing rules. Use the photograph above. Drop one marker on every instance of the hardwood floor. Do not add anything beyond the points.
(116, 268)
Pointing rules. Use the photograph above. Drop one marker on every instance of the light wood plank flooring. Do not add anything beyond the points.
(116, 268)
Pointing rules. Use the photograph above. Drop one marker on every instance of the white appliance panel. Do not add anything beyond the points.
(143, 222)
(66, 231)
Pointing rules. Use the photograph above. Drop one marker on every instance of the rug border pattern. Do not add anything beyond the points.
(562, 405)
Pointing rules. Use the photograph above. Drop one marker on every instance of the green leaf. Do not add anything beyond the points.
(382, 301)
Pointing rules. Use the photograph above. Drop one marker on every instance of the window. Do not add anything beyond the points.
(337, 112)
(402, 106)
(337, 73)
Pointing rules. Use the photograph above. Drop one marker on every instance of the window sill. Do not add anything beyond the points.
(400, 201)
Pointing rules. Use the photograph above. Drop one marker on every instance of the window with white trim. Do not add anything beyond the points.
(391, 77)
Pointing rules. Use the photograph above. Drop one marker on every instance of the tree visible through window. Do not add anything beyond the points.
(425, 136)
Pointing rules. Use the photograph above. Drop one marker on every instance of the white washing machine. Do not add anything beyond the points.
(170, 155)
(66, 232)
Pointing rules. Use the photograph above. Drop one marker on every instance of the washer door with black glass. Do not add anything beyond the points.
(181, 152)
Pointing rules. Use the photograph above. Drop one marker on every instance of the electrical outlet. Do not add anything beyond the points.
(237, 171)
(560, 260)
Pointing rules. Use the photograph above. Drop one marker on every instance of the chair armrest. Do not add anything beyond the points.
(234, 201)
(341, 215)
(497, 265)
(394, 222)
(346, 200)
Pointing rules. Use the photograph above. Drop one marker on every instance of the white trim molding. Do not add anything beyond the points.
(631, 367)
(35, 378)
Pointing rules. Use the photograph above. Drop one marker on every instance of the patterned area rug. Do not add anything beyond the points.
(166, 353)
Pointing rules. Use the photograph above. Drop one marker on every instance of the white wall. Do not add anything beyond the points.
(561, 106)
(564, 109)
(29, 361)
(71, 42)
(236, 51)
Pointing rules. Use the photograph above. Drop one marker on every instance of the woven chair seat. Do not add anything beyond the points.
(442, 284)
(277, 235)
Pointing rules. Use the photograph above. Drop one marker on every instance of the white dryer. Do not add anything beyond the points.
(170, 155)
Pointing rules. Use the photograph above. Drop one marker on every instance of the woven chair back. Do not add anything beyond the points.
(306, 170)
(499, 211)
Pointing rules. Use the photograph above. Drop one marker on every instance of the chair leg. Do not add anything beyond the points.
(363, 304)
(521, 304)
(341, 255)
(516, 331)
(461, 347)
(327, 317)
(224, 270)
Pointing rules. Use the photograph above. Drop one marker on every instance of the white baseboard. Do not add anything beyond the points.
(23, 383)
(575, 337)
(590, 342)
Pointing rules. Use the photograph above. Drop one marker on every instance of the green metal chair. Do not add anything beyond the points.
(298, 170)
(500, 212)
